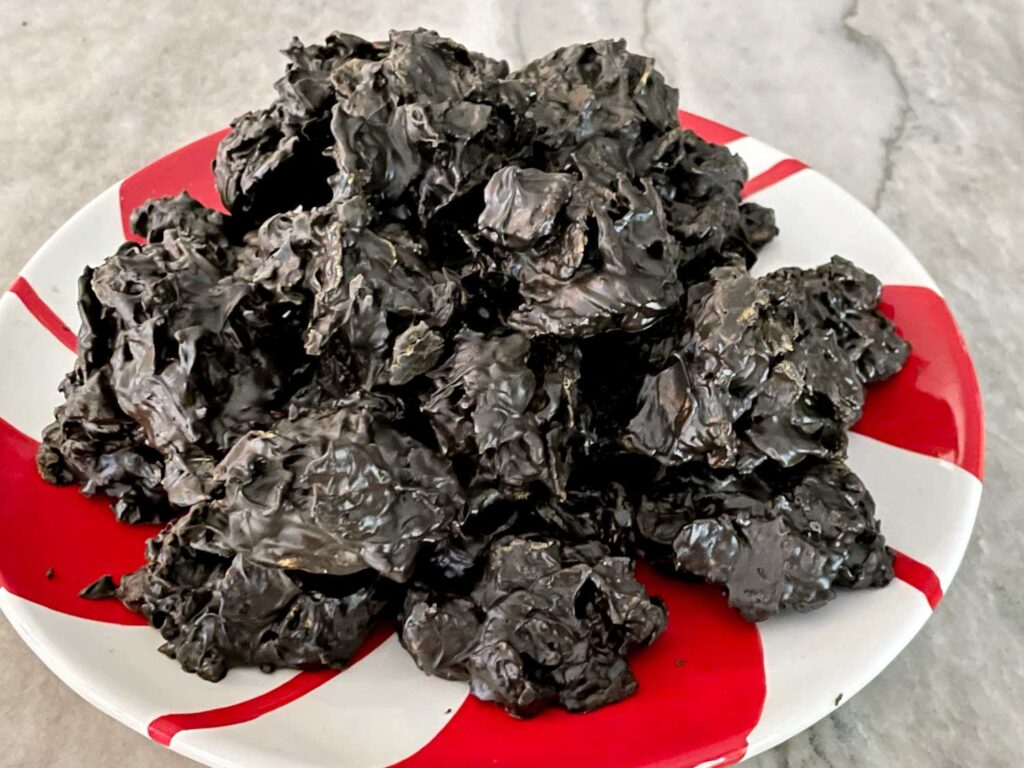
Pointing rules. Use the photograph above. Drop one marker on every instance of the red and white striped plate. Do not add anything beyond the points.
(713, 689)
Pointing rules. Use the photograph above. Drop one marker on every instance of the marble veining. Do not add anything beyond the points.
(916, 108)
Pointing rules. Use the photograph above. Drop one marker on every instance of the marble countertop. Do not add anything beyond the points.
(915, 108)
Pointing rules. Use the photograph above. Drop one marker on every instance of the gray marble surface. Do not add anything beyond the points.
(916, 108)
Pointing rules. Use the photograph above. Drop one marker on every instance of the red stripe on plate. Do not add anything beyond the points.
(43, 526)
(709, 130)
(701, 691)
(188, 169)
(41, 311)
(166, 727)
(919, 576)
(933, 406)
(781, 170)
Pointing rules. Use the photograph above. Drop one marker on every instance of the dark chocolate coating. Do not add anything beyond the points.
(469, 343)
(545, 623)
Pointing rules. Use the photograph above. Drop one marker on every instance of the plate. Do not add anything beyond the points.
(713, 689)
